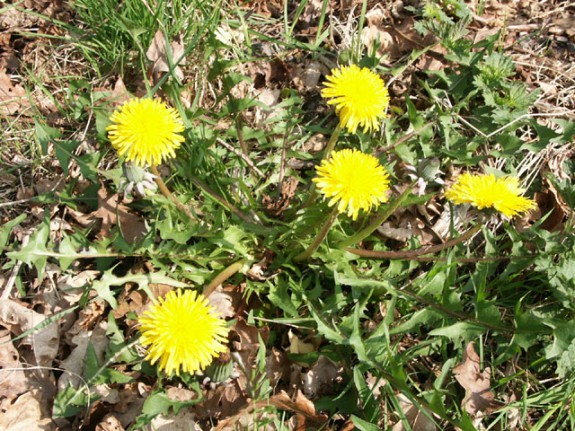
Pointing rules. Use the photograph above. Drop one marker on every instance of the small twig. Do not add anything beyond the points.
(409, 254)
(33, 198)
(243, 157)
(404, 138)
(243, 145)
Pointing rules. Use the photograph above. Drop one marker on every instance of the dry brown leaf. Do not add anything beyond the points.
(222, 403)
(13, 98)
(479, 398)
(277, 366)
(222, 302)
(418, 421)
(183, 421)
(249, 336)
(25, 414)
(112, 213)
(109, 423)
(302, 407)
(19, 319)
(129, 407)
(321, 378)
(13, 381)
(74, 363)
(158, 54)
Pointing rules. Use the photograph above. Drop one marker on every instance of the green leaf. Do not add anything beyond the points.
(108, 279)
(64, 150)
(459, 331)
(363, 425)
(71, 401)
(35, 252)
(158, 402)
(371, 406)
(45, 134)
(7, 227)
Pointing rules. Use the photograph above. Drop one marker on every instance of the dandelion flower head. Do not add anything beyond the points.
(487, 191)
(354, 180)
(182, 332)
(146, 131)
(359, 95)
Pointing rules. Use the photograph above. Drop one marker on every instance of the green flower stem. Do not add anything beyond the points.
(223, 276)
(364, 233)
(413, 254)
(207, 189)
(332, 141)
(328, 149)
(318, 239)
(167, 193)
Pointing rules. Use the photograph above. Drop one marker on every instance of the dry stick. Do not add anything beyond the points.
(410, 254)
(467, 259)
(405, 138)
(243, 145)
(243, 157)
(318, 239)
(167, 193)
(223, 276)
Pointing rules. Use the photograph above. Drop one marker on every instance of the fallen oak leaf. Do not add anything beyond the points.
(157, 53)
(13, 381)
(41, 333)
(113, 212)
(25, 414)
(479, 398)
(417, 419)
(302, 407)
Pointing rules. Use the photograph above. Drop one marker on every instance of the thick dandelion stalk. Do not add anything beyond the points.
(306, 254)
(167, 193)
(223, 276)
(414, 254)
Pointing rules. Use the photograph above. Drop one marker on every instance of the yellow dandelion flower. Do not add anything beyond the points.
(182, 331)
(359, 95)
(353, 180)
(487, 191)
(147, 131)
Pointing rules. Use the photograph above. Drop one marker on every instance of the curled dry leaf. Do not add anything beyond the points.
(417, 419)
(19, 319)
(13, 99)
(222, 302)
(113, 212)
(479, 398)
(13, 381)
(183, 421)
(25, 414)
(109, 423)
(321, 378)
(306, 416)
(158, 54)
